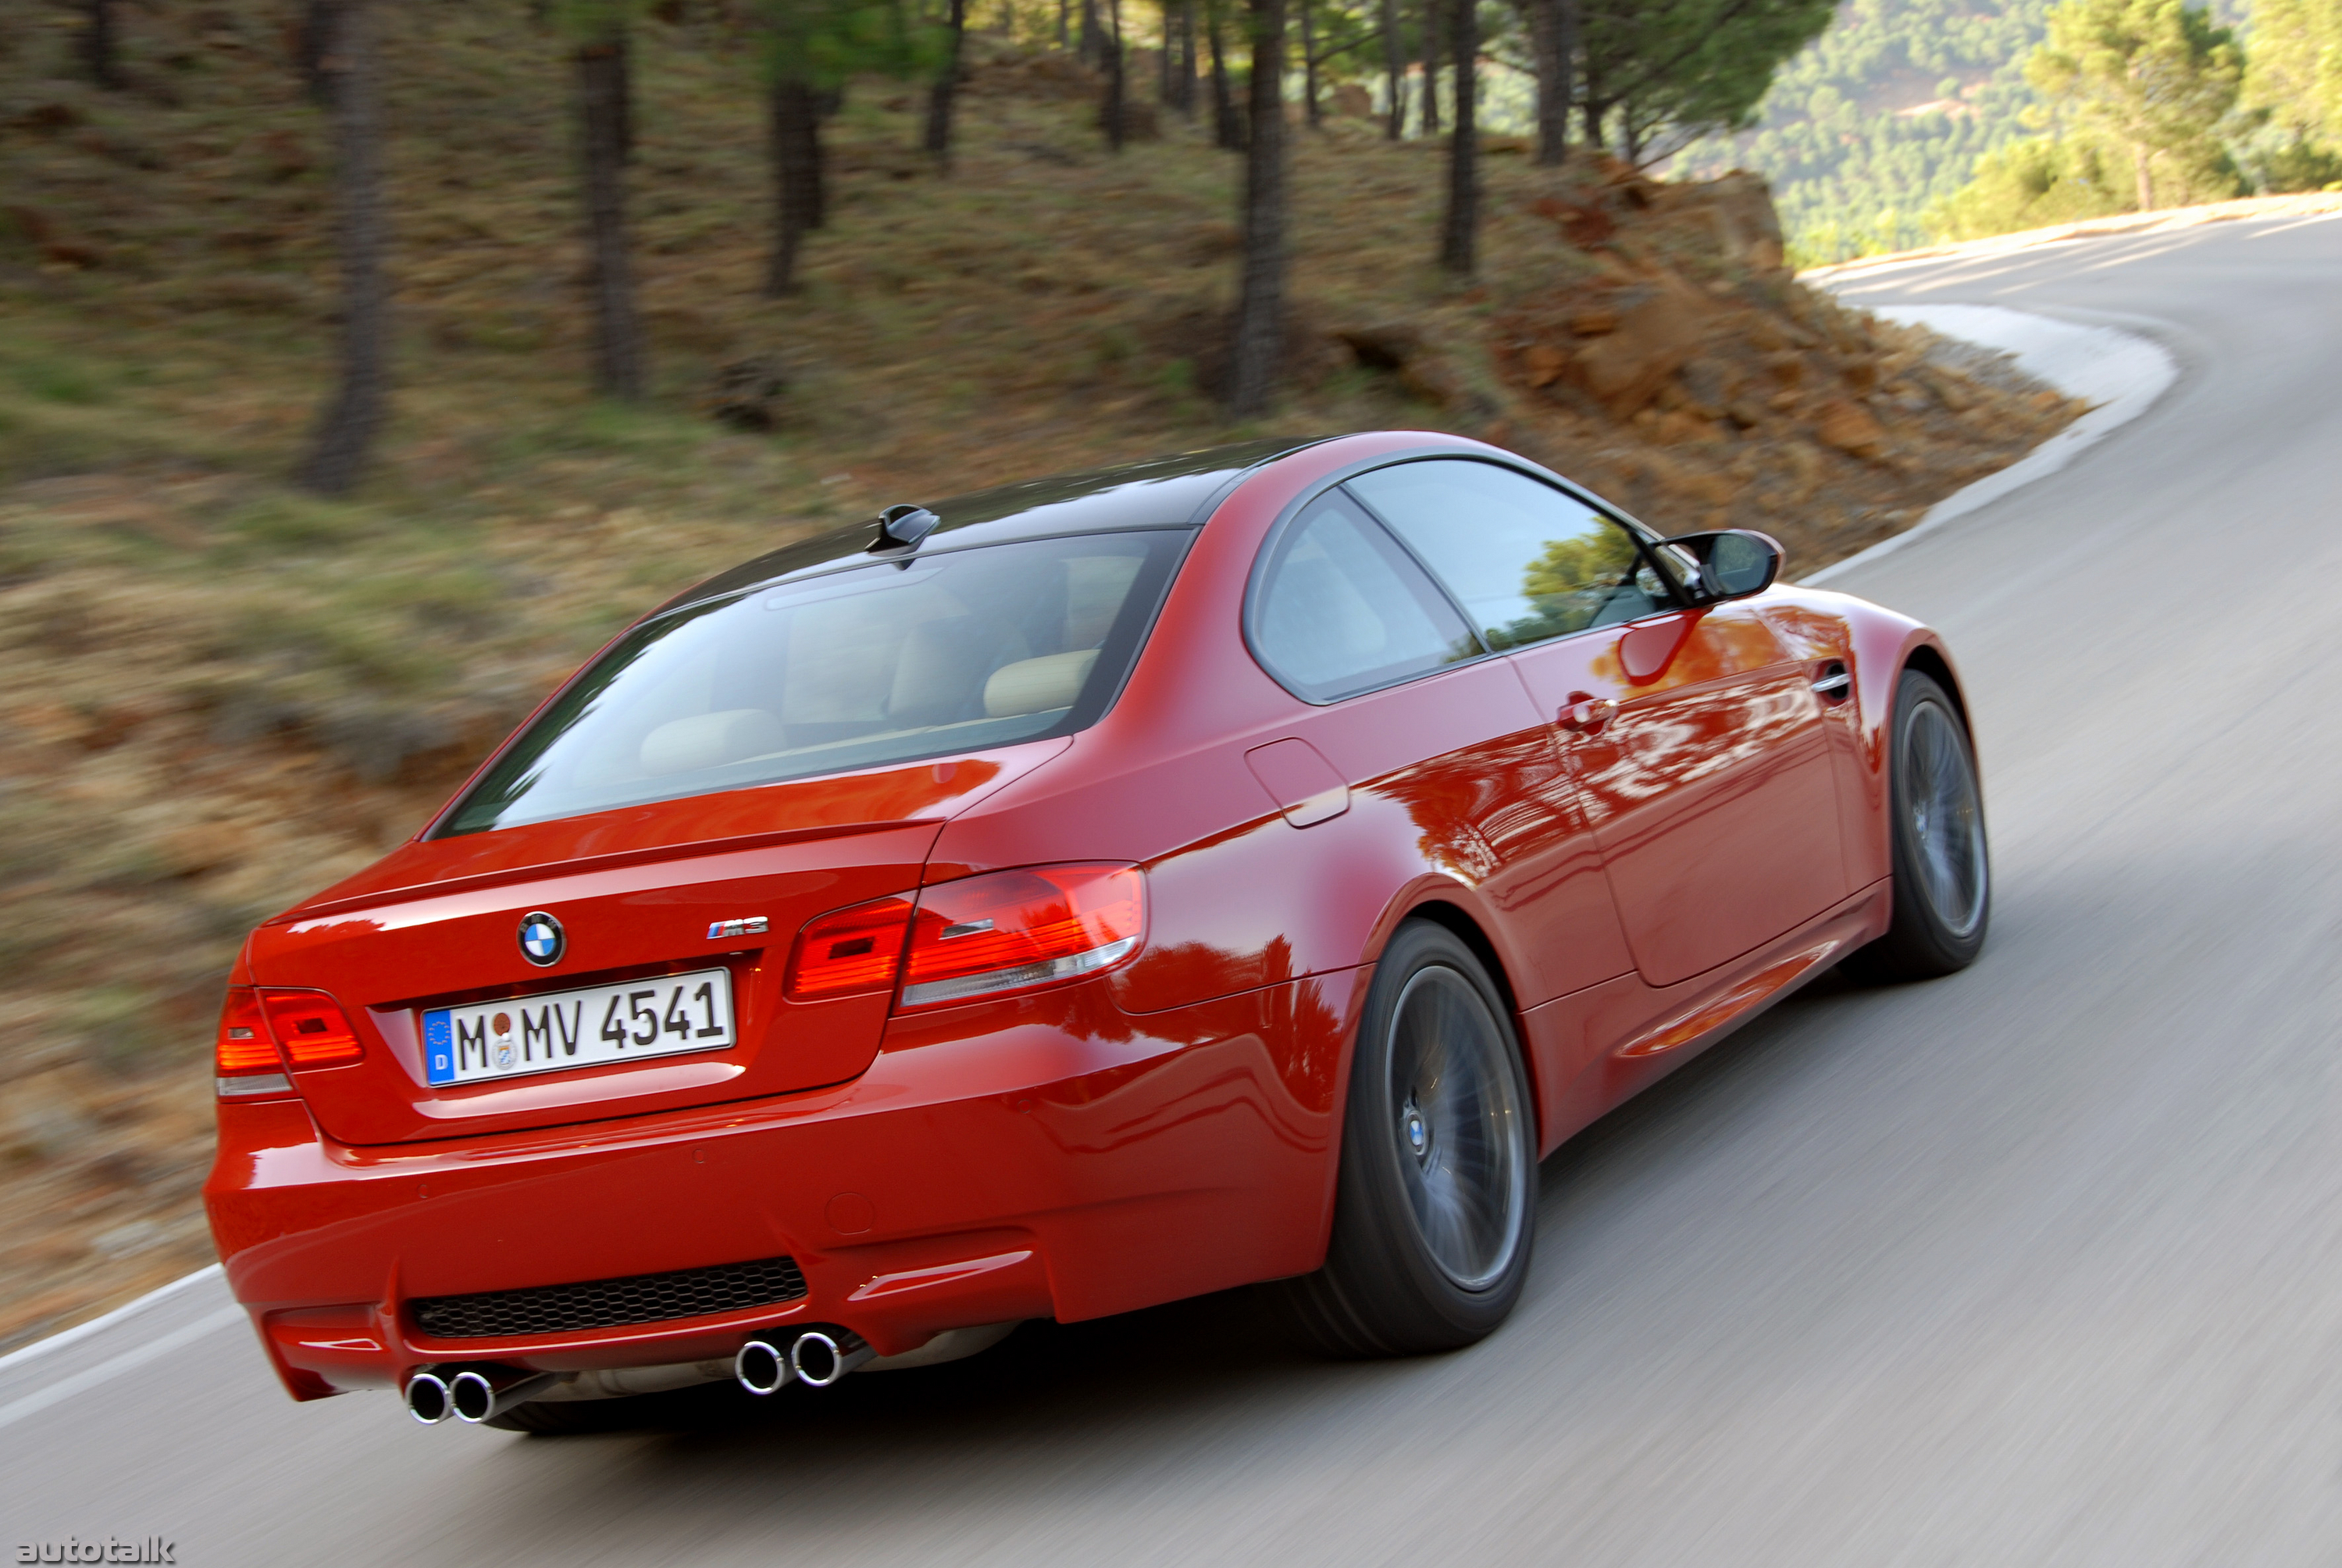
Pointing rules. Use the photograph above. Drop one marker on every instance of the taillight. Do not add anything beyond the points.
(1013, 930)
(244, 1058)
(311, 1028)
(850, 951)
(980, 936)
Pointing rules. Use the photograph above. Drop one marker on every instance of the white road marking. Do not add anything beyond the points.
(65, 1337)
(2260, 234)
(128, 1361)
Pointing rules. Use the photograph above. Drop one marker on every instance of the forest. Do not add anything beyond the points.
(1911, 120)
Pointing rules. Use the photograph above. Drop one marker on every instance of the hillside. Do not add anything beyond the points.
(222, 694)
(1882, 115)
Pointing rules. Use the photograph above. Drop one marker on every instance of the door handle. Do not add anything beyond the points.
(1586, 714)
(1834, 685)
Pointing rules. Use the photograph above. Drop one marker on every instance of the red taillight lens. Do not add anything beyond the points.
(1013, 930)
(850, 951)
(311, 1028)
(243, 1049)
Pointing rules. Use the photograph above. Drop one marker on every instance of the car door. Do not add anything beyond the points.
(1426, 740)
(1695, 739)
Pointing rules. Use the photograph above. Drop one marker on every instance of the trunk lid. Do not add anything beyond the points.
(640, 893)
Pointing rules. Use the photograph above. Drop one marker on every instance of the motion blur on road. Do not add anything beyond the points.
(2036, 1263)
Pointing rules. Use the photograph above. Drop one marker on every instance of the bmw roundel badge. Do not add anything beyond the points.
(542, 940)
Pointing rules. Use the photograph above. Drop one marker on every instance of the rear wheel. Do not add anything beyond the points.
(1435, 1208)
(1943, 878)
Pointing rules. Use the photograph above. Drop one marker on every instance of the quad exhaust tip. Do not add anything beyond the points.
(762, 1367)
(821, 1359)
(816, 1358)
(428, 1399)
(471, 1395)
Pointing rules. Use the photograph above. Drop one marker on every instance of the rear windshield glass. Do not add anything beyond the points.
(889, 662)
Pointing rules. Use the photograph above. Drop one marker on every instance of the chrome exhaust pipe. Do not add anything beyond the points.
(762, 1367)
(427, 1399)
(820, 1359)
(476, 1397)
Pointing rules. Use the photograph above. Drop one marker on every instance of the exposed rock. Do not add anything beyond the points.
(1545, 363)
(1624, 368)
(1849, 427)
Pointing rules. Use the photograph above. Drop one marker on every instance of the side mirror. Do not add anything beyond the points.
(1732, 562)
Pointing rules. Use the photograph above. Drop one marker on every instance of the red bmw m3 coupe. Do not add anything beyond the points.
(1065, 898)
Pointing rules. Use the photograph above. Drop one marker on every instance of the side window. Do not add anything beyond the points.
(1525, 561)
(1338, 607)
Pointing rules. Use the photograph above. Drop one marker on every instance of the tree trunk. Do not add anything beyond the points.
(345, 429)
(1310, 68)
(617, 330)
(941, 95)
(1163, 55)
(1259, 343)
(1065, 13)
(1091, 53)
(1227, 130)
(796, 132)
(1459, 235)
(1187, 100)
(99, 56)
(1555, 23)
(622, 96)
(1110, 113)
(2138, 156)
(812, 153)
(1394, 70)
(311, 45)
(1431, 67)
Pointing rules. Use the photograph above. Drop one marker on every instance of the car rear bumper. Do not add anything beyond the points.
(1050, 1156)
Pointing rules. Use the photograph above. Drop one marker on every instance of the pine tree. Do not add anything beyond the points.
(100, 54)
(2155, 76)
(346, 427)
(1553, 36)
(945, 92)
(1459, 227)
(1255, 363)
(1659, 74)
(601, 60)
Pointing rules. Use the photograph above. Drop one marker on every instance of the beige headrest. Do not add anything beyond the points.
(710, 740)
(1037, 685)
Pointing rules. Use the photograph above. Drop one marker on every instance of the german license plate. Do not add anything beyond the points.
(595, 1027)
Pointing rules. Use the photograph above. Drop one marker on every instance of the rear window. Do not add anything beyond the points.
(889, 662)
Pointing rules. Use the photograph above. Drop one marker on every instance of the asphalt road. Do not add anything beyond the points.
(2041, 1264)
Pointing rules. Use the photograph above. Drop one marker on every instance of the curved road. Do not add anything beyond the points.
(2040, 1264)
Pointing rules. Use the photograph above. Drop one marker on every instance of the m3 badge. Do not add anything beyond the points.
(755, 925)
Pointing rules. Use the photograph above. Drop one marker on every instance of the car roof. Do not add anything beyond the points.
(1178, 491)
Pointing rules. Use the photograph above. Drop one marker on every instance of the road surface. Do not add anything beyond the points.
(2041, 1264)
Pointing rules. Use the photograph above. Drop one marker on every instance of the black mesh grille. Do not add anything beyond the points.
(611, 1303)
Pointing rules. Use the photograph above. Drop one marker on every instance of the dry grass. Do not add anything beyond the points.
(217, 694)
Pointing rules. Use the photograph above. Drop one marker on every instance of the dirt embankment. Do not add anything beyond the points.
(217, 694)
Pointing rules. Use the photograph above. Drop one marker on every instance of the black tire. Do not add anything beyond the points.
(1436, 1205)
(1943, 870)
